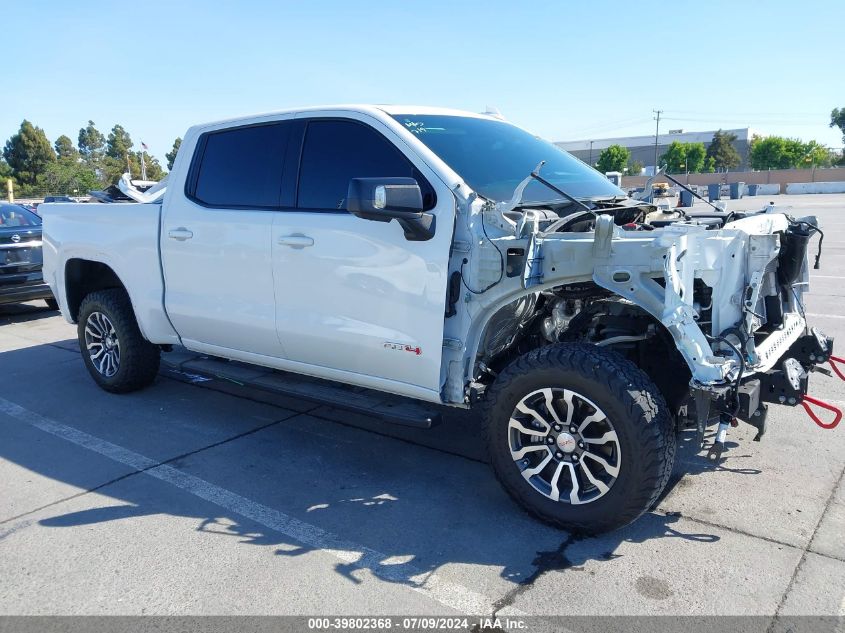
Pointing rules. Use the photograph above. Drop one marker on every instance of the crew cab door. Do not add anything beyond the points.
(355, 300)
(216, 241)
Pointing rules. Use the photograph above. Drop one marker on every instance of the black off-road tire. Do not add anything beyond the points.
(638, 412)
(139, 359)
(52, 303)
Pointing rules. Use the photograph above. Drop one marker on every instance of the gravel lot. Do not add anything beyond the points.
(207, 498)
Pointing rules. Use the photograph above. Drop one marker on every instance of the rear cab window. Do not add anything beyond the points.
(240, 167)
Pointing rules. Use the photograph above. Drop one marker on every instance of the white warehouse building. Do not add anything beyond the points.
(642, 147)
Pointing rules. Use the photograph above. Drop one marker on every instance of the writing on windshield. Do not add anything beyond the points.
(493, 157)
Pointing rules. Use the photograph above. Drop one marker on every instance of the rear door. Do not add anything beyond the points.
(215, 241)
(356, 301)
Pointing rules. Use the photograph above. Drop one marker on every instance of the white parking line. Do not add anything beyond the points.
(429, 584)
(826, 277)
(824, 316)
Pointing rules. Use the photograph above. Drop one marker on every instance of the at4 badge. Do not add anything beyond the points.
(402, 347)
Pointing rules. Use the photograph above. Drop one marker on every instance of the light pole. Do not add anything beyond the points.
(656, 132)
(591, 154)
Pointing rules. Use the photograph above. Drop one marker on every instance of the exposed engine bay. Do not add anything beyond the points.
(708, 304)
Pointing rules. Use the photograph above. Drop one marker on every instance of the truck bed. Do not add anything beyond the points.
(124, 237)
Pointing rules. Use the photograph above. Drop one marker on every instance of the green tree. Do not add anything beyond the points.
(837, 119)
(771, 152)
(723, 152)
(91, 143)
(674, 157)
(777, 152)
(680, 157)
(111, 169)
(65, 149)
(118, 157)
(5, 170)
(171, 155)
(696, 153)
(119, 143)
(68, 177)
(28, 153)
(816, 155)
(709, 165)
(613, 158)
(635, 168)
(5, 175)
(114, 168)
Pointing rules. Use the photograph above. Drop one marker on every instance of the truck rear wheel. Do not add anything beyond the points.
(579, 436)
(118, 358)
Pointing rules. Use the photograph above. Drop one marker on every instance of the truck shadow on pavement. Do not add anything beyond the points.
(24, 312)
(397, 510)
(415, 557)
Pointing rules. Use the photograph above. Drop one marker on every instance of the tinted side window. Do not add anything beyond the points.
(242, 167)
(335, 152)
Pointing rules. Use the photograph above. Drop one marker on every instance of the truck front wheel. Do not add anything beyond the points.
(579, 436)
(116, 355)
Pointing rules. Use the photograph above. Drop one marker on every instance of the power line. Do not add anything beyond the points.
(607, 127)
(745, 121)
(755, 114)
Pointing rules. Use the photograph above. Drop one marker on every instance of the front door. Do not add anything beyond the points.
(355, 300)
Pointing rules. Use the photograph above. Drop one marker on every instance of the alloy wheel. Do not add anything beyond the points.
(102, 344)
(564, 445)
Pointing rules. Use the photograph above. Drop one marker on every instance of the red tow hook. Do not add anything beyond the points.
(836, 359)
(823, 405)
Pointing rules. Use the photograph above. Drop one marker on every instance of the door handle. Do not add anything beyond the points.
(180, 234)
(295, 241)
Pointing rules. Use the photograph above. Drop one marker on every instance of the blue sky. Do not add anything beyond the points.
(565, 70)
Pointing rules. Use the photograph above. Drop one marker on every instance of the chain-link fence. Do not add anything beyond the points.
(37, 194)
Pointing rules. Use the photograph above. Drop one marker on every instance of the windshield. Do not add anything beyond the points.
(493, 157)
(13, 216)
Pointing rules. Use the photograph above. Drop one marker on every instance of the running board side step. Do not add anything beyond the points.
(384, 406)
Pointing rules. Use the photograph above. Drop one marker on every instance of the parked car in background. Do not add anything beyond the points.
(20, 257)
(58, 199)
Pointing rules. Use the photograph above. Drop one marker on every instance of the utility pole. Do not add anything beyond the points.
(656, 132)
(591, 154)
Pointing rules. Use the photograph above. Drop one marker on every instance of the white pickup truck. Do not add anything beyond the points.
(455, 259)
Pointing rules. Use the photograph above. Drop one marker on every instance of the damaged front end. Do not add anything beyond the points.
(710, 306)
(731, 299)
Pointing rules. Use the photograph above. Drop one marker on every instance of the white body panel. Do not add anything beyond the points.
(220, 281)
(362, 298)
(121, 236)
(328, 373)
(363, 301)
